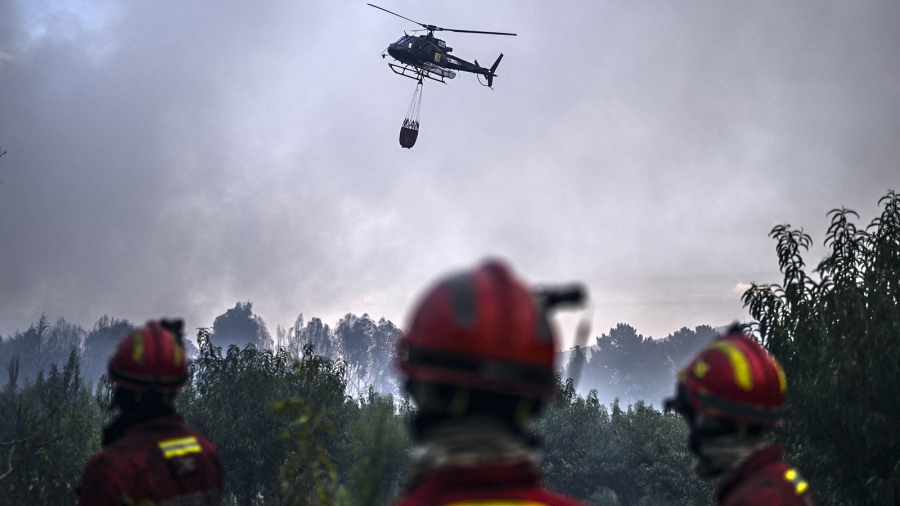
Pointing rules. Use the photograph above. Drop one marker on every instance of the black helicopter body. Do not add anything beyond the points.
(431, 55)
(426, 56)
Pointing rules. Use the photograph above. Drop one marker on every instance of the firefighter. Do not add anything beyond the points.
(731, 395)
(149, 456)
(478, 362)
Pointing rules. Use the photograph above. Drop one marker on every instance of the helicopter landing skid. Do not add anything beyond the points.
(415, 73)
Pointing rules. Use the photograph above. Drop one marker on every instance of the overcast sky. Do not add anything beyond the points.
(176, 157)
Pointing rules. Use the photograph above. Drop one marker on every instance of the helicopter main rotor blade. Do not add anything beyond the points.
(476, 31)
(399, 16)
(432, 28)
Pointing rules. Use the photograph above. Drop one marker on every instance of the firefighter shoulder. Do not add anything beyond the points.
(478, 362)
(731, 395)
(150, 457)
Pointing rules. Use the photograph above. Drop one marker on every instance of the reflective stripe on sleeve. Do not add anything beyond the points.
(172, 448)
(800, 485)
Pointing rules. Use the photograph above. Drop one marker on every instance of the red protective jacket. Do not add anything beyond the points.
(764, 479)
(501, 484)
(159, 462)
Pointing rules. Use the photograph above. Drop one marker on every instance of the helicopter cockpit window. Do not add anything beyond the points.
(402, 40)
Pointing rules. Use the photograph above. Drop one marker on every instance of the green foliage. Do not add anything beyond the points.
(307, 477)
(367, 464)
(653, 445)
(232, 400)
(837, 338)
(576, 436)
(612, 457)
(289, 433)
(48, 429)
(374, 453)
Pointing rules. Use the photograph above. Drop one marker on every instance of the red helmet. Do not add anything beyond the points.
(481, 329)
(149, 358)
(735, 378)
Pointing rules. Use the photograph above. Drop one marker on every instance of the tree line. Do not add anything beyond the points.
(362, 344)
(311, 416)
(623, 364)
(289, 433)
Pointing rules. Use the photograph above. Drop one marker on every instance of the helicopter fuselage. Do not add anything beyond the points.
(431, 54)
(423, 55)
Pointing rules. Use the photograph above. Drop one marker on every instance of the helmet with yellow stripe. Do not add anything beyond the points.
(734, 378)
(150, 359)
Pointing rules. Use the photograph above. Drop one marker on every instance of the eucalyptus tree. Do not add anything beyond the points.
(100, 343)
(29, 349)
(356, 336)
(369, 348)
(313, 333)
(240, 326)
(383, 375)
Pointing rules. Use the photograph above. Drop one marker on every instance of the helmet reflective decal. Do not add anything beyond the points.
(177, 353)
(782, 381)
(742, 376)
(700, 369)
(137, 354)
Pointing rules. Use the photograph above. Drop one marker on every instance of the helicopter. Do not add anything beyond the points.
(426, 56)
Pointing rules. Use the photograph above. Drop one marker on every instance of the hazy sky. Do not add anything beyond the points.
(176, 157)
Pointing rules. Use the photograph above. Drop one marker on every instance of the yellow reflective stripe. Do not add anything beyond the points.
(176, 353)
(739, 363)
(178, 447)
(127, 500)
(800, 485)
(782, 381)
(137, 354)
(496, 502)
